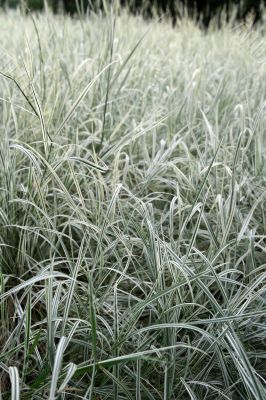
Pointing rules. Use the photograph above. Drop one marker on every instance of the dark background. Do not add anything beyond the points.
(202, 10)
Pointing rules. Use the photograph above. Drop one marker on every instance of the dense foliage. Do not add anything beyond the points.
(204, 9)
(132, 209)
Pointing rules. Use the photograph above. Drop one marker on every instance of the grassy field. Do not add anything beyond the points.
(132, 209)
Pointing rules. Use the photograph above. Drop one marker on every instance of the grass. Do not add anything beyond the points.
(132, 209)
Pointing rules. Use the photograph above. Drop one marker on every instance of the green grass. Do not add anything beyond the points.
(132, 209)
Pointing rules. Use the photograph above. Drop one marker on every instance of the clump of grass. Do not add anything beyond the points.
(132, 209)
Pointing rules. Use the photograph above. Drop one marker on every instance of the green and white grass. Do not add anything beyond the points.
(132, 209)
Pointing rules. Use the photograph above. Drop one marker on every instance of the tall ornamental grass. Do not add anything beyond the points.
(132, 209)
